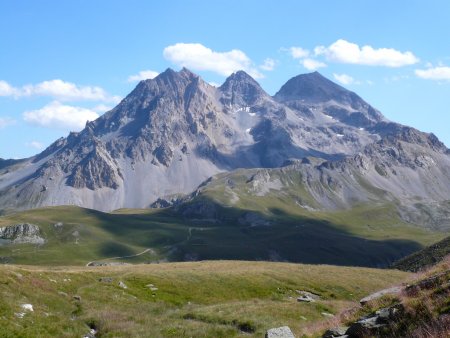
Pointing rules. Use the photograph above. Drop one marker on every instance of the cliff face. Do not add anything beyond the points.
(21, 233)
(173, 132)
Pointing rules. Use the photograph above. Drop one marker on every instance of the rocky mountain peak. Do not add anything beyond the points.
(241, 89)
(314, 90)
(174, 131)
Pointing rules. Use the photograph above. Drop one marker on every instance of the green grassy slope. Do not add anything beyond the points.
(425, 258)
(364, 236)
(195, 299)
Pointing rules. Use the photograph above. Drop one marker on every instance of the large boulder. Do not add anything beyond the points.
(374, 324)
(390, 291)
(280, 332)
(336, 332)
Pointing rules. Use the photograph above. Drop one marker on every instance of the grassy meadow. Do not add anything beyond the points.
(191, 299)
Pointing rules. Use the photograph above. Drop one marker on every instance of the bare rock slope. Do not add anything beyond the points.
(175, 131)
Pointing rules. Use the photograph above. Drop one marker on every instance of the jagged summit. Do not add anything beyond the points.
(175, 131)
(241, 89)
(312, 88)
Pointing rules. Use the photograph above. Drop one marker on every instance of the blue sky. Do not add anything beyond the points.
(64, 62)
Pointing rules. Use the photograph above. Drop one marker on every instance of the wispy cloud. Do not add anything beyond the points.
(6, 121)
(298, 52)
(35, 144)
(58, 89)
(344, 79)
(268, 64)
(214, 84)
(6, 89)
(198, 57)
(57, 115)
(434, 73)
(143, 75)
(343, 51)
(312, 64)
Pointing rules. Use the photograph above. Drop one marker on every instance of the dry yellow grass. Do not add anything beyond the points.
(195, 299)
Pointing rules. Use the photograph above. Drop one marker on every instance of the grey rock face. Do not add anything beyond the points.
(305, 91)
(173, 132)
(390, 291)
(22, 233)
(371, 325)
(280, 332)
(335, 332)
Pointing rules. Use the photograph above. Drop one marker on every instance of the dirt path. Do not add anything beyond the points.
(130, 256)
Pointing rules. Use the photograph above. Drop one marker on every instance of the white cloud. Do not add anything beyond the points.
(143, 75)
(6, 89)
(101, 108)
(346, 52)
(6, 121)
(312, 64)
(60, 90)
(35, 144)
(268, 65)
(436, 73)
(66, 91)
(57, 115)
(198, 57)
(344, 78)
(298, 52)
(214, 84)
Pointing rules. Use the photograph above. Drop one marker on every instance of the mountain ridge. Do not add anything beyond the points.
(173, 132)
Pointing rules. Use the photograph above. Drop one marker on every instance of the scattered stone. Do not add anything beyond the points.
(303, 318)
(107, 263)
(91, 334)
(77, 298)
(335, 332)
(428, 283)
(20, 314)
(308, 294)
(326, 314)
(27, 307)
(306, 299)
(52, 280)
(152, 287)
(123, 285)
(372, 324)
(62, 293)
(106, 279)
(280, 332)
(58, 225)
(390, 291)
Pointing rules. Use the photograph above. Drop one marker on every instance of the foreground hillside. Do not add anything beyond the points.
(417, 309)
(196, 299)
(426, 257)
(362, 236)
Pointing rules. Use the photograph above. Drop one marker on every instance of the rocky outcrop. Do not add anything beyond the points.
(22, 233)
(335, 332)
(280, 332)
(421, 309)
(374, 324)
(389, 291)
(308, 297)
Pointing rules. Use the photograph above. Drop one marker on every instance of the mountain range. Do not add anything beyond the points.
(176, 137)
